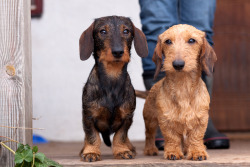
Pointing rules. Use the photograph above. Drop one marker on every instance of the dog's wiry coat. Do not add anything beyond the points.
(108, 99)
(179, 103)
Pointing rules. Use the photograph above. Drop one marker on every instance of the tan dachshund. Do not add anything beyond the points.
(179, 103)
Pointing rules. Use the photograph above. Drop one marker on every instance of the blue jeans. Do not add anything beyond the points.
(158, 15)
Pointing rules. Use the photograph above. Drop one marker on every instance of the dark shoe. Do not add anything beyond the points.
(217, 143)
(214, 139)
(159, 143)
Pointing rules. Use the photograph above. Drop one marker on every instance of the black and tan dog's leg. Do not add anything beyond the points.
(129, 145)
(91, 149)
(122, 147)
(151, 123)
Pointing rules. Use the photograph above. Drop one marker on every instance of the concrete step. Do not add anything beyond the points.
(66, 153)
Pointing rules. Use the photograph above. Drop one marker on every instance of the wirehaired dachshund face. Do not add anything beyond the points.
(113, 39)
(110, 38)
(186, 49)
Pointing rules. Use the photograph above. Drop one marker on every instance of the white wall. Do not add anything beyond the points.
(59, 74)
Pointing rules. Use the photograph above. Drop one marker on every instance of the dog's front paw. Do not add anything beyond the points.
(151, 151)
(197, 155)
(90, 157)
(173, 155)
(125, 155)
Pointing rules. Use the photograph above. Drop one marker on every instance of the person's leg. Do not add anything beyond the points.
(200, 14)
(156, 17)
(213, 139)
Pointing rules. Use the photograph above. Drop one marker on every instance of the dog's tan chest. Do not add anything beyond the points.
(179, 107)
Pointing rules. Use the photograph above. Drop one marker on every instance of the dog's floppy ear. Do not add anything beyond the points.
(208, 57)
(140, 43)
(157, 58)
(86, 43)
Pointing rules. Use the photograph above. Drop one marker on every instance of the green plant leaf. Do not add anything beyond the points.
(35, 149)
(27, 155)
(52, 163)
(24, 157)
(39, 164)
(23, 153)
(40, 156)
(20, 147)
(27, 147)
(18, 158)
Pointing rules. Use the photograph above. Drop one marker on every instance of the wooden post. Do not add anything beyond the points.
(15, 76)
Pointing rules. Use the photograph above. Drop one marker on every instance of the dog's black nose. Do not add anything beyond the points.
(117, 53)
(178, 64)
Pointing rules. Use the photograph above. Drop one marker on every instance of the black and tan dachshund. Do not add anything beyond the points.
(108, 99)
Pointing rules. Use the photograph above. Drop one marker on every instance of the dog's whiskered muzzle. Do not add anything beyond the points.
(178, 64)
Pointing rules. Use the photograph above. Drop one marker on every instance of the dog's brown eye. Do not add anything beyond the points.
(126, 31)
(103, 32)
(168, 41)
(191, 40)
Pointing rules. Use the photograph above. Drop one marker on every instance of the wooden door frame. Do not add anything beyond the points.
(15, 76)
